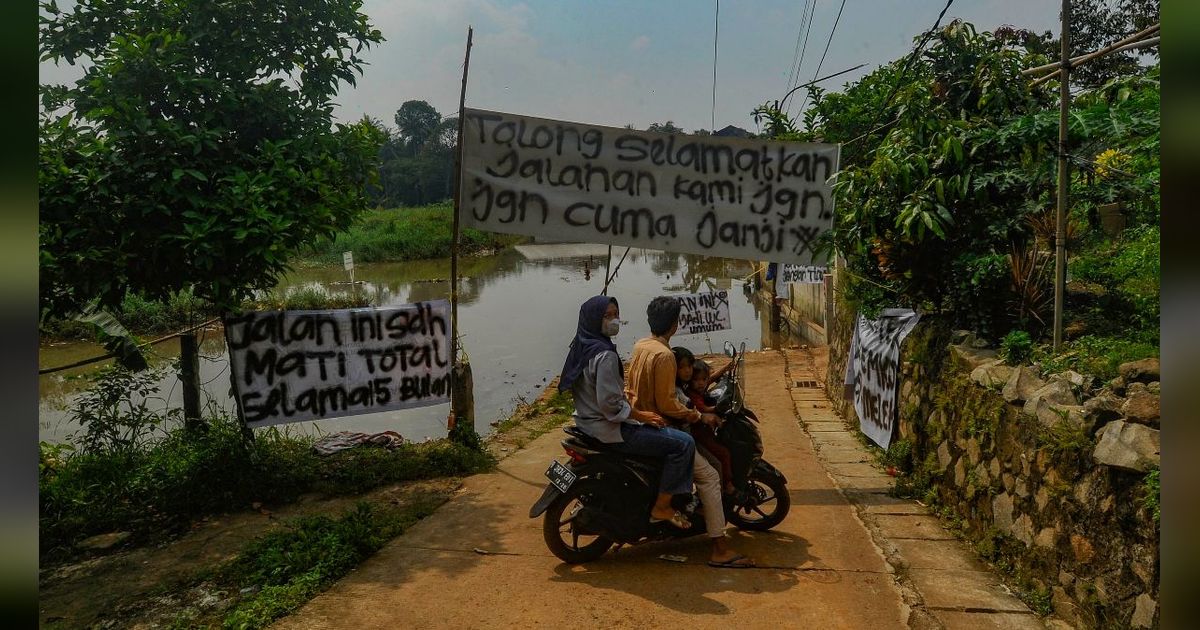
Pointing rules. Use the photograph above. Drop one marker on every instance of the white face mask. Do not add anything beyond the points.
(612, 327)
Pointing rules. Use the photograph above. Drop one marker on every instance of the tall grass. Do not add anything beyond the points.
(398, 234)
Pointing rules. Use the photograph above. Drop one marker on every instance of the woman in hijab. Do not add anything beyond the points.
(594, 374)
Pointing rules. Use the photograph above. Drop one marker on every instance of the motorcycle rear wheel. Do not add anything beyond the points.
(557, 529)
(771, 506)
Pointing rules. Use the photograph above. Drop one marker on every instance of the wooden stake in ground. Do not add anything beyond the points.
(457, 401)
(1060, 246)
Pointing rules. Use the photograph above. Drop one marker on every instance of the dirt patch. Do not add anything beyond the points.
(529, 421)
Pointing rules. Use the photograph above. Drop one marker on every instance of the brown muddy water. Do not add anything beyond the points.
(517, 314)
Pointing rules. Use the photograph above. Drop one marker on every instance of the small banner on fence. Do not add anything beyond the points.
(704, 312)
(291, 366)
(873, 371)
(797, 274)
(715, 196)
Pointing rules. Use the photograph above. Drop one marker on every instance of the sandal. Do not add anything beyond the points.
(733, 563)
(677, 520)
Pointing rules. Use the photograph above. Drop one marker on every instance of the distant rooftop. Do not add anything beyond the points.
(733, 132)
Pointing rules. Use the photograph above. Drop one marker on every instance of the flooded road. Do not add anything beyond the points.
(517, 313)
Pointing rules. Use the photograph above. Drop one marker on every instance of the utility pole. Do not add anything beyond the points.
(1060, 246)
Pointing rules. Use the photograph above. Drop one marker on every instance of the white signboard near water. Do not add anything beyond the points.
(797, 274)
(291, 366)
(709, 195)
(704, 312)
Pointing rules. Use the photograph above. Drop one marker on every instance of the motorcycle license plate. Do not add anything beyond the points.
(560, 476)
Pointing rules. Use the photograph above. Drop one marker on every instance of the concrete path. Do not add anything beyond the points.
(823, 567)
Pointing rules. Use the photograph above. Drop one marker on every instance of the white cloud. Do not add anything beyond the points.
(639, 43)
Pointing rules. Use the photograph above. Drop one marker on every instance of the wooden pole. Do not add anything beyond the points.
(1060, 246)
(462, 102)
(607, 264)
(189, 376)
(1116, 46)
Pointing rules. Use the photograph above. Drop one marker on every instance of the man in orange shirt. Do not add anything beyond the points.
(651, 387)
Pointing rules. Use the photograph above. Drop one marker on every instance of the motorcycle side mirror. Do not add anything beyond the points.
(729, 349)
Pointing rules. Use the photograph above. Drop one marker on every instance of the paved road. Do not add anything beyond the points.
(819, 569)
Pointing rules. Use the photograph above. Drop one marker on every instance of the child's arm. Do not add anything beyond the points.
(719, 372)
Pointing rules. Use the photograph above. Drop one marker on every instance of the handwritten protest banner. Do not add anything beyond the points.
(704, 312)
(716, 196)
(873, 371)
(290, 366)
(797, 274)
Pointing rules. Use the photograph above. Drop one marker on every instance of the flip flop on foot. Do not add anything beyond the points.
(676, 520)
(737, 562)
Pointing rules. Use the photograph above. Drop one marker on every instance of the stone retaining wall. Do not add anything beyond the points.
(1046, 476)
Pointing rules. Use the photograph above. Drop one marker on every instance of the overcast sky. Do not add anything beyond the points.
(615, 62)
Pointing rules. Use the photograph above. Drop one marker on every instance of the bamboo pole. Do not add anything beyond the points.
(1060, 246)
(462, 101)
(1113, 47)
(1146, 43)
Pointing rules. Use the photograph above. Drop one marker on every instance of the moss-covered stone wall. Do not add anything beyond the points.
(1072, 535)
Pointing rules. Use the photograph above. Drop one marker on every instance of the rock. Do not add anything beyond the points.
(1065, 578)
(1127, 446)
(968, 358)
(1065, 607)
(1056, 392)
(1042, 499)
(973, 451)
(1046, 538)
(1002, 512)
(102, 542)
(1022, 488)
(960, 473)
(1103, 408)
(1144, 371)
(994, 468)
(1154, 388)
(1050, 415)
(981, 476)
(961, 337)
(1143, 612)
(1142, 408)
(1010, 482)
(1023, 529)
(1117, 385)
(1076, 380)
(1143, 565)
(992, 375)
(1021, 384)
(979, 343)
(1107, 505)
(1082, 547)
(1134, 388)
(944, 456)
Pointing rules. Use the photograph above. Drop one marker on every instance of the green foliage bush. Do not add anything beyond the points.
(399, 234)
(1098, 356)
(1016, 347)
(160, 484)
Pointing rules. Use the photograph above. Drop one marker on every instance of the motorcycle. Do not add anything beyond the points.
(602, 497)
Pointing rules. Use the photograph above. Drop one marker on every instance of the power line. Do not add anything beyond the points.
(796, 49)
(826, 51)
(903, 71)
(804, 48)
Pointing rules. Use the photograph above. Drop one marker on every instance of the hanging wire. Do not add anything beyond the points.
(826, 51)
(803, 49)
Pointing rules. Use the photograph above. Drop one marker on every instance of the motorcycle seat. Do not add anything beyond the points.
(591, 443)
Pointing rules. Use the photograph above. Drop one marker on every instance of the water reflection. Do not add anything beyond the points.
(516, 318)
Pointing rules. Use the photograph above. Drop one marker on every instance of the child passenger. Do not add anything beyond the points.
(692, 380)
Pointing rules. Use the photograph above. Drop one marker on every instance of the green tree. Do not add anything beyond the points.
(198, 149)
(667, 127)
(417, 122)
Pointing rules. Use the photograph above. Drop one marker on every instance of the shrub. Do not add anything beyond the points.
(1016, 347)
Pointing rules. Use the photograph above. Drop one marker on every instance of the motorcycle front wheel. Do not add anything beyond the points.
(767, 503)
(562, 536)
